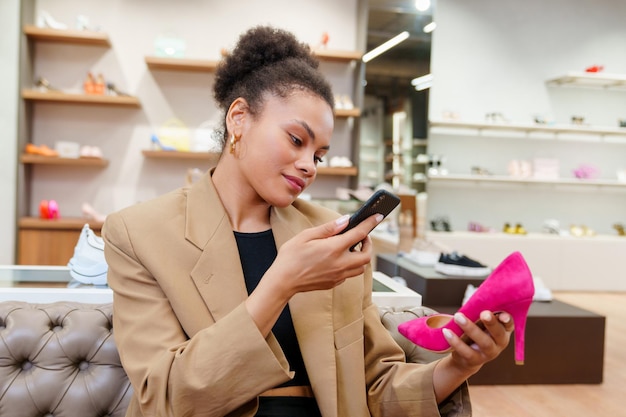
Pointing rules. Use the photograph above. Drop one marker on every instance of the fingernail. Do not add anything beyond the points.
(447, 333)
(504, 318)
(459, 318)
(486, 316)
(342, 220)
(379, 218)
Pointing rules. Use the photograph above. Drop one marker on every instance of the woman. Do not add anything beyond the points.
(234, 297)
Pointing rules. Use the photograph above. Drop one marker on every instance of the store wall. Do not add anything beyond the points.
(206, 27)
(496, 57)
(9, 58)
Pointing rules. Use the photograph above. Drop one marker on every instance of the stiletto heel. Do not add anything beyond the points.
(157, 145)
(509, 289)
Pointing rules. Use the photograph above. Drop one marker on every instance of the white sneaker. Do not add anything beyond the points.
(88, 265)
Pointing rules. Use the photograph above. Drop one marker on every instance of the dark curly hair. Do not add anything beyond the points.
(267, 59)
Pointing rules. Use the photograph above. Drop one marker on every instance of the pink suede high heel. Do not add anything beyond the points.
(509, 289)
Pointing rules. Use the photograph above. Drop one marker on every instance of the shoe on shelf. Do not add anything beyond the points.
(479, 228)
(89, 85)
(520, 230)
(441, 224)
(454, 263)
(159, 146)
(424, 252)
(90, 213)
(88, 265)
(90, 152)
(551, 226)
(45, 20)
(44, 85)
(509, 288)
(581, 231)
(361, 194)
(112, 90)
(340, 162)
(42, 150)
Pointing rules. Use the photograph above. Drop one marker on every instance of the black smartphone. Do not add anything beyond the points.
(382, 202)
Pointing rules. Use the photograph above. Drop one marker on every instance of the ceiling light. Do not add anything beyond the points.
(385, 46)
(423, 82)
(422, 5)
(430, 27)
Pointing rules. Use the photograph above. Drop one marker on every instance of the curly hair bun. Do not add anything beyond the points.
(265, 45)
(267, 59)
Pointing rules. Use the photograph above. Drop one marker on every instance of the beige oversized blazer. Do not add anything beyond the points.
(191, 349)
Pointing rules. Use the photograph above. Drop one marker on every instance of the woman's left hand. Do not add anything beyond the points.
(467, 359)
(485, 344)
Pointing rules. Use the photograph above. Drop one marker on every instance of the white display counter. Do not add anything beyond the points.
(47, 284)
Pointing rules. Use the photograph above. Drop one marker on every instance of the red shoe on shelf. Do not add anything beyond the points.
(43, 150)
(595, 68)
(48, 209)
(89, 85)
(509, 288)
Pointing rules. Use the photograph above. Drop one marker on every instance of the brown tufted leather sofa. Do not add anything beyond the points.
(60, 359)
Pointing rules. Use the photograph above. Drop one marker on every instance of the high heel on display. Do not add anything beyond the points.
(45, 20)
(157, 145)
(509, 289)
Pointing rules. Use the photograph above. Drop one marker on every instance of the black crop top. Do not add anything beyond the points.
(257, 251)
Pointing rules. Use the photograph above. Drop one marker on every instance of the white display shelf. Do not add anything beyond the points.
(590, 79)
(564, 263)
(532, 131)
(512, 180)
(389, 293)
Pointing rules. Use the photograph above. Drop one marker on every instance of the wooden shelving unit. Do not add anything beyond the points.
(81, 37)
(209, 66)
(330, 55)
(60, 97)
(206, 65)
(340, 171)
(180, 64)
(177, 155)
(205, 156)
(348, 112)
(54, 160)
(50, 242)
(74, 223)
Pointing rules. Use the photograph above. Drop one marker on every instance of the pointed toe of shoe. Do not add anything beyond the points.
(426, 332)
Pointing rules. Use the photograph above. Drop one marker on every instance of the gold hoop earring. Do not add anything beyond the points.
(233, 142)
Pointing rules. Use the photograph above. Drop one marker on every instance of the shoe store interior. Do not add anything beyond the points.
(500, 125)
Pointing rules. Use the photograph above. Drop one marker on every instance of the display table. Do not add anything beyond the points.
(436, 289)
(564, 343)
(48, 284)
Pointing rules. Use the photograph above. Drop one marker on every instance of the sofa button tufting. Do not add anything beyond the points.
(83, 365)
(57, 328)
(26, 365)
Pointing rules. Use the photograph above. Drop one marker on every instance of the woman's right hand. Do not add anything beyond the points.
(318, 258)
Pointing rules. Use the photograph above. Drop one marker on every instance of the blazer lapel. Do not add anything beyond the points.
(312, 319)
(218, 275)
